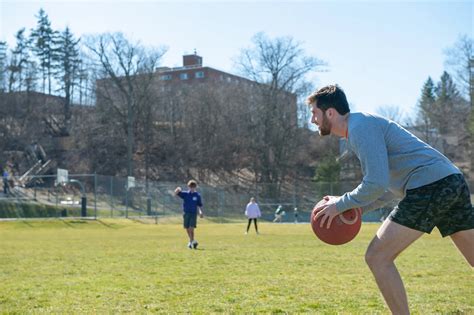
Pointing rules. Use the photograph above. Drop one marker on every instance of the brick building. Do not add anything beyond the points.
(193, 72)
(191, 79)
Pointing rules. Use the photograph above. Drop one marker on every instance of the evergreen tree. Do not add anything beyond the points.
(67, 65)
(448, 107)
(3, 65)
(20, 61)
(44, 42)
(426, 103)
(328, 170)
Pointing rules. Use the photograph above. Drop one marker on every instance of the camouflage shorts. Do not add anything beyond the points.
(445, 204)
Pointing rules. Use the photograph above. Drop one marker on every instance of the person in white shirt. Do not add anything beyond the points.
(252, 211)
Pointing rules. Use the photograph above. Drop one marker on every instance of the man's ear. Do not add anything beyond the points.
(330, 112)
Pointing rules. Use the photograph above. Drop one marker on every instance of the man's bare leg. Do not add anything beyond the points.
(391, 239)
(464, 241)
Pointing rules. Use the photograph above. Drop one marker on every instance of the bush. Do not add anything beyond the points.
(12, 209)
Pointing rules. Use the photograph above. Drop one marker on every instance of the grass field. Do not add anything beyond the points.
(113, 266)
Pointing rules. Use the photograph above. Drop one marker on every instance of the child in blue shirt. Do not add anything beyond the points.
(192, 203)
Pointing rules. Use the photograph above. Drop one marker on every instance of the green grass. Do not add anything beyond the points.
(114, 266)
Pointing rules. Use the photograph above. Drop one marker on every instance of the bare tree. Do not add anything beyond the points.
(392, 112)
(280, 67)
(20, 64)
(126, 73)
(460, 61)
(198, 129)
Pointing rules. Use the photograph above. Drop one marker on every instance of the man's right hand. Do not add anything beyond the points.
(177, 190)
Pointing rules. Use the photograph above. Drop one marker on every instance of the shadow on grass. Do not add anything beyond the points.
(110, 226)
(225, 220)
(68, 224)
(27, 223)
(143, 220)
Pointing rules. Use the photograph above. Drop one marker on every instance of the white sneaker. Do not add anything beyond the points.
(195, 244)
(190, 246)
(246, 233)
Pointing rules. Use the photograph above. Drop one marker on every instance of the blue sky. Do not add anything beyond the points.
(380, 52)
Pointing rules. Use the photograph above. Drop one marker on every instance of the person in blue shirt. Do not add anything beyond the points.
(192, 203)
(395, 165)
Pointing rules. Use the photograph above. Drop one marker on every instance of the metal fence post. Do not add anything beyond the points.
(156, 209)
(294, 194)
(126, 203)
(111, 196)
(256, 191)
(95, 195)
(83, 206)
(163, 205)
(219, 202)
(57, 193)
(83, 198)
(148, 205)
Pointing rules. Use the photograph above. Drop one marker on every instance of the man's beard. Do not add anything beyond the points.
(325, 127)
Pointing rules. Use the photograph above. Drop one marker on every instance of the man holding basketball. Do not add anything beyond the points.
(395, 164)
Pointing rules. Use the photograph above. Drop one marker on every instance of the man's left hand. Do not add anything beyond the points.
(327, 212)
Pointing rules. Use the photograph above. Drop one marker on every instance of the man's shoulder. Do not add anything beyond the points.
(363, 117)
(361, 123)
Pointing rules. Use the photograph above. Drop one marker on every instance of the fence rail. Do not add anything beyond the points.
(108, 196)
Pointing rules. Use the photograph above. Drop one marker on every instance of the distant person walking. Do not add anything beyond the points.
(6, 185)
(191, 204)
(252, 211)
(295, 213)
(279, 213)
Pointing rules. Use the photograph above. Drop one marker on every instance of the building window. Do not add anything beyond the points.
(165, 77)
(183, 76)
(199, 75)
(229, 79)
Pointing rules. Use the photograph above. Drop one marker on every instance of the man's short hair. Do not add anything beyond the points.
(192, 183)
(329, 96)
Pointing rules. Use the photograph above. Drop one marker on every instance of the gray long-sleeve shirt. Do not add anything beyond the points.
(392, 160)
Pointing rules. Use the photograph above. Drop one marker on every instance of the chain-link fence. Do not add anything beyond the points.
(95, 195)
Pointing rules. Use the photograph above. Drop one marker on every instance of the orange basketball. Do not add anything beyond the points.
(343, 229)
